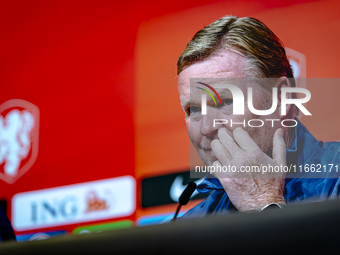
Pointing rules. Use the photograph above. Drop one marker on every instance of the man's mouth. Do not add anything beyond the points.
(209, 152)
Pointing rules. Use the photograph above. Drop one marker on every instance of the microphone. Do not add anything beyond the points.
(185, 197)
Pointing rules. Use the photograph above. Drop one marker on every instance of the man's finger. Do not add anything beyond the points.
(216, 165)
(244, 140)
(220, 152)
(228, 142)
(279, 147)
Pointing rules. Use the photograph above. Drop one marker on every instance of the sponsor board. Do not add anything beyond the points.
(97, 200)
(39, 236)
(96, 228)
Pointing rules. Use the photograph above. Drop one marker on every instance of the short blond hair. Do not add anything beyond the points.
(264, 52)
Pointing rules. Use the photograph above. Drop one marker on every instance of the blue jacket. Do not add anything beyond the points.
(301, 185)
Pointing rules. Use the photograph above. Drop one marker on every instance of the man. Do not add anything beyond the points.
(240, 49)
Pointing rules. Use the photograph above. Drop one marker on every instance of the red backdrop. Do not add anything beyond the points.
(103, 75)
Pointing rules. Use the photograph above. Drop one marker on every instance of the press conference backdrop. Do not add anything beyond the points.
(92, 135)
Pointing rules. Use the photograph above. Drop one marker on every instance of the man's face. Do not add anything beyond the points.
(222, 64)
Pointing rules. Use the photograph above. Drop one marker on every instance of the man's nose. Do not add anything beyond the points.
(207, 123)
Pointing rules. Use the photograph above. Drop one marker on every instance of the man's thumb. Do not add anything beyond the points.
(279, 147)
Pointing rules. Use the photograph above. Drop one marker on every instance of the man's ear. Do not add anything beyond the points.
(281, 83)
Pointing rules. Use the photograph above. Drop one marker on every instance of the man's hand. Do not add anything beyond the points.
(249, 190)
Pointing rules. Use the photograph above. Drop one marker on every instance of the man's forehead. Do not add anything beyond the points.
(222, 64)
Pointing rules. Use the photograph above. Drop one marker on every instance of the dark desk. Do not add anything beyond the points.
(299, 229)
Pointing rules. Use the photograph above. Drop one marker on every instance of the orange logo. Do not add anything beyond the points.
(94, 203)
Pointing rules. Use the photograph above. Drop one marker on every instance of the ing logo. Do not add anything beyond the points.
(19, 135)
(95, 203)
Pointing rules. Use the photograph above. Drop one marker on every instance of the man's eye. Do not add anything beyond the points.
(227, 102)
(193, 109)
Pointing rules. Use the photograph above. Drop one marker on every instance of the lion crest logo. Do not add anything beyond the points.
(19, 132)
